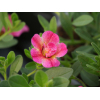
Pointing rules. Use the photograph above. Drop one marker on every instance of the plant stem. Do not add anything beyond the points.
(6, 33)
(73, 77)
(5, 76)
(32, 72)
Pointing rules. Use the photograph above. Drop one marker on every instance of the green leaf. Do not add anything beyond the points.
(53, 24)
(31, 83)
(83, 34)
(59, 71)
(82, 20)
(77, 68)
(60, 82)
(89, 79)
(14, 17)
(4, 15)
(44, 23)
(2, 70)
(65, 63)
(1, 25)
(41, 78)
(10, 57)
(1, 65)
(66, 24)
(49, 83)
(7, 38)
(2, 58)
(17, 81)
(71, 14)
(27, 53)
(4, 84)
(19, 27)
(86, 60)
(30, 65)
(25, 76)
(83, 48)
(16, 65)
(8, 44)
(97, 49)
(8, 22)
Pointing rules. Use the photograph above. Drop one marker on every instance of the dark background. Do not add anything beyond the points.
(24, 41)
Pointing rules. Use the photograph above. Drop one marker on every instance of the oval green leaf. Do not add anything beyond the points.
(44, 23)
(60, 82)
(27, 53)
(17, 81)
(53, 24)
(16, 65)
(82, 20)
(41, 78)
(30, 65)
(7, 38)
(4, 84)
(59, 71)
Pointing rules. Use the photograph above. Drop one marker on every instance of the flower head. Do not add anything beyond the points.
(47, 48)
(18, 33)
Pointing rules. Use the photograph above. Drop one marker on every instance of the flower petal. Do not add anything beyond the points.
(36, 55)
(50, 62)
(61, 50)
(49, 36)
(18, 33)
(37, 41)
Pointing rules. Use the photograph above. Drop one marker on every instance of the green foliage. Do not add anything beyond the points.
(31, 83)
(60, 82)
(41, 78)
(53, 24)
(4, 84)
(76, 68)
(27, 53)
(87, 60)
(97, 49)
(8, 44)
(25, 76)
(17, 81)
(44, 23)
(89, 79)
(66, 24)
(59, 71)
(10, 58)
(4, 15)
(30, 65)
(49, 83)
(7, 38)
(83, 34)
(82, 20)
(16, 65)
(14, 17)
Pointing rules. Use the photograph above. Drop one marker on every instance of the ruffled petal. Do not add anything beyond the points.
(49, 36)
(18, 33)
(50, 62)
(36, 55)
(37, 41)
(61, 50)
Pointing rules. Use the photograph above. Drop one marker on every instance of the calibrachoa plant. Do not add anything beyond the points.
(47, 48)
(52, 64)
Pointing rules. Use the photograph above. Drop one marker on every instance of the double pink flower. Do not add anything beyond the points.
(18, 33)
(47, 48)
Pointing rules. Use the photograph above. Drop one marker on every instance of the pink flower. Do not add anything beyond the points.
(18, 33)
(47, 48)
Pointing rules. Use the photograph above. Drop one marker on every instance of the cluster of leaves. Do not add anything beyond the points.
(7, 40)
(83, 60)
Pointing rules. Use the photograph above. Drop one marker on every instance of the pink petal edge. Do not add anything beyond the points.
(61, 50)
(50, 62)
